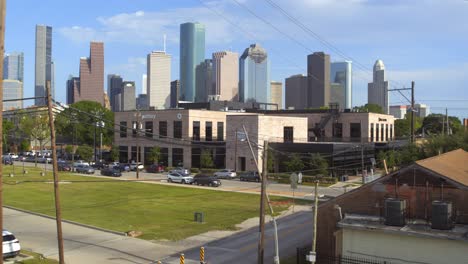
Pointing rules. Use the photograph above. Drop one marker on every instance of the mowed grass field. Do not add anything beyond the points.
(158, 211)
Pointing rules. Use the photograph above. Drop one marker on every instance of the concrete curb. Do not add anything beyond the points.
(67, 221)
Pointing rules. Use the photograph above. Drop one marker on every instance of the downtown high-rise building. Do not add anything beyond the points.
(192, 54)
(44, 66)
(254, 75)
(91, 86)
(341, 84)
(276, 90)
(12, 89)
(204, 77)
(128, 100)
(296, 92)
(158, 79)
(226, 75)
(144, 83)
(175, 91)
(318, 76)
(73, 84)
(377, 91)
(114, 90)
(13, 66)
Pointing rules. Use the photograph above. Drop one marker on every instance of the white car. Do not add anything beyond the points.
(177, 177)
(11, 245)
(12, 155)
(80, 162)
(225, 174)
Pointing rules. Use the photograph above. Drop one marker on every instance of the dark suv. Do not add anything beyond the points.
(202, 179)
(249, 176)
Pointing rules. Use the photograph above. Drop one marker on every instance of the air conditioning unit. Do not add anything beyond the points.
(441, 215)
(395, 212)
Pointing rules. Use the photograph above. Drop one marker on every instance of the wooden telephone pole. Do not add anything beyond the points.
(2, 51)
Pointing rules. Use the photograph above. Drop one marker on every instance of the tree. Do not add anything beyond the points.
(37, 127)
(85, 120)
(154, 155)
(318, 164)
(115, 155)
(206, 161)
(403, 126)
(295, 163)
(85, 152)
(434, 123)
(6, 129)
(370, 108)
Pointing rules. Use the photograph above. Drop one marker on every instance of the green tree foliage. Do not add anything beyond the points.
(25, 145)
(6, 130)
(403, 126)
(155, 155)
(271, 161)
(295, 163)
(88, 117)
(85, 152)
(318, 165)
(37, 127)
(433, 124)
(115, 153)
(370, 108)
(206, 161)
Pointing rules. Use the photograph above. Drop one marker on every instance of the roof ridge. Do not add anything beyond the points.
(443, 154)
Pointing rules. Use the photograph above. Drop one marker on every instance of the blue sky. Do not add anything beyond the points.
(425, 41)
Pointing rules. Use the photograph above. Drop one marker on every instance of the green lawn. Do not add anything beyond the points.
(158, 211)
(37, 259)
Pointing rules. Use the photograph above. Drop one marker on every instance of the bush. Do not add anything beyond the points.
(194, 170)
(208, 170)
(306, 179)
(168, 169)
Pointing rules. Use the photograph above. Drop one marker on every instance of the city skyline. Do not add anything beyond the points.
(405, 61)
(44, 66)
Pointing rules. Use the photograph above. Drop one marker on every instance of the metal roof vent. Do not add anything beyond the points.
(395, 212)
(441, 215)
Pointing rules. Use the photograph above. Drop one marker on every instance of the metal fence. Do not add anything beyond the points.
(302, 252)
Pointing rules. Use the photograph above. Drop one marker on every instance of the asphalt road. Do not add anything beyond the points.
(302, 191)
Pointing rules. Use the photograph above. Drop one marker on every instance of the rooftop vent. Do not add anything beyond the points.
(442, 215)
(395, 212)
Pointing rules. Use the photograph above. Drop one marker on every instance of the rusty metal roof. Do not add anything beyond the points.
(453, 165)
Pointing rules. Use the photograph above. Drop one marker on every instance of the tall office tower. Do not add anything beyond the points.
(276, 93)
(92, 75)
(254, 75)
(192, 53)
(341, 73)
(128, 96)
(106, 101)
(159, 79)
(12, 89)
(13, 66)
(114, 90)
(73, 84)
(142, 102)
(144, 82)
(44, 65)
(318, 73)
(377, 91)
(337, 95)
(175, 92)
(226, 75)
(296, 90)
(204, 84)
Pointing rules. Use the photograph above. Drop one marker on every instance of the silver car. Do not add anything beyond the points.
(180, 170)
(177, 177)
(81, 168)
(225, 174)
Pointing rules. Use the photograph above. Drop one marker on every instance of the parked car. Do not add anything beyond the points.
(7, 160)
(203, 179)
(11, 245)
(78, 162)
(22, 158)
(122, 167)
(110, 171)
(133, 166)
(177, 177)
(12, 155)
(81, 168)
(225, 174)
(155, 168)
(180, 170)
(98, 165)
(44, 159)
(249, 176)
(63, 166)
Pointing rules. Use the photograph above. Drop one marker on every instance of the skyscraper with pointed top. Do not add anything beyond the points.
(377, 91)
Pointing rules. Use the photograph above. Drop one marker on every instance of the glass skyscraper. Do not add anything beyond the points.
(13, 66)
(192, 54)
(341, 74)
(254, 75)
(44, 71)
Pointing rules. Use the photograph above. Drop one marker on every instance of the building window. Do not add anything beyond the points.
(382, 129)
(208, 131)
(177, 129)
(337, 130)
(149, 129)
(134, 128)
(177, 156)
(162, 129)
(196, 131)
(372, 132)
(377, 132)
(355, 131)
(288, 134)
(123, 129)
(123, 153)
(220, 131)
(310, 135)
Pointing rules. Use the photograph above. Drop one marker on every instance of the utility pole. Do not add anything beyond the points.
(312, 255)
(138, 144)
(235, 152)
(447, 119)
(412, 112)
(261, 242)
(2, 51)
(58, 213)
